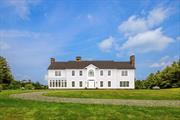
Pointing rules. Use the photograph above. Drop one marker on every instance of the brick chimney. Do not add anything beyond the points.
(132, 60)
(53, 60)
(78, 58)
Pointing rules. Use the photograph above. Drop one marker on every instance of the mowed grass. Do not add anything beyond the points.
(16, 109)
(163, 94)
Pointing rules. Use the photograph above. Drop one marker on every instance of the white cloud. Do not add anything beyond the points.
(107, 44)
(4, 46)
(133, 25)
(152, 40)
(157, 16)
(22, 7)
(143, 34)
(136, 24)
(163, 62)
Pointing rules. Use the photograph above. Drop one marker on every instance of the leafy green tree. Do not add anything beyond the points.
(139, 84)
(37, 85)
(167, 78)
(5, 73)
(1, 87)
(29, 86)
(15, 85)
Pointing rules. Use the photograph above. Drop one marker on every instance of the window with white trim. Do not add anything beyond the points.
(91, 73)
(73, 83)
(80, 73)
(101, 83)
(57, 73)
(73, 73)
(101, 73)
(109, 73)
(124, 73)
(80, 83)
(50, 82)
(109, 83)
(124, 83)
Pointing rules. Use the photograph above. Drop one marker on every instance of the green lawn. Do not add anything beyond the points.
(15, 109)
(163, 94)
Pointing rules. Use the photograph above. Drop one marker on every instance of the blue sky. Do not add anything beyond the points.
(33, 31)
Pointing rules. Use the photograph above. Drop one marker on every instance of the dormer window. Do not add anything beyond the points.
(91, 73)
(73, 73)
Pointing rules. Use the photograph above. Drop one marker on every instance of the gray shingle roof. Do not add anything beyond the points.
(83, 64)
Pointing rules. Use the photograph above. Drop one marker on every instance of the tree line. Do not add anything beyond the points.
(169, 77)
(7, 80)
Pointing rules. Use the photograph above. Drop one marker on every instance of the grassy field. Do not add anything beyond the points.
(163, 94)
(15, 109)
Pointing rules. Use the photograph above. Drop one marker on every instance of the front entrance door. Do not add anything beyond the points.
(91, 84)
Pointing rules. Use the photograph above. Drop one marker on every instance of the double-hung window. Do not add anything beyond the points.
(73, 73)
(80, 73)
(124, 73)
(73, 83)
(101, 83)
(109, 83)
(109, 73)
(101, 73)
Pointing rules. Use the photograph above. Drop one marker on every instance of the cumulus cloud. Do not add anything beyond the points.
(143, 34)
(106, 44)
(22, 7)
(133, 25)
(136, 24)
(157, 16)
(163, 62)
(152, 40)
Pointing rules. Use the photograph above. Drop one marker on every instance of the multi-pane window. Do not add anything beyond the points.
(91, 73)
(101, 83)
(65, 83)
(57, 73)
(62, 83)
(101, 73)
(56, 83)
(80, 83)
(73, 84)
(124, 83)
(109, 73)
(124, 73)
(50, 83)
(53, 83)
(109, 83)
(80, 73)
(73, 73)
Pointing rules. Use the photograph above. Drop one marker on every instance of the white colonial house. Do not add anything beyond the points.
(81, 74)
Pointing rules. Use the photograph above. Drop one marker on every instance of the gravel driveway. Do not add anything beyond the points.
(39, 97)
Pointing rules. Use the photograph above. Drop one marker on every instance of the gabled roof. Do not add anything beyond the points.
(83, 64)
